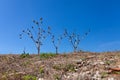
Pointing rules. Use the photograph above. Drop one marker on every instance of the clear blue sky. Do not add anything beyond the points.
(101, 16)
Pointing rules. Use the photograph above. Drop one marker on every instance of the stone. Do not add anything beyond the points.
(40, 79)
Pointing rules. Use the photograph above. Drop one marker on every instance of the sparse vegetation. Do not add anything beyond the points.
(104, 74)
(57, 77)
(38, 34)
(108, 62)
(59, 67)
(53, 65)
(29, 77)
(70, 68)
(25, 55)
(41, 72)
(65, 68)
(116, 72)
(47, 55)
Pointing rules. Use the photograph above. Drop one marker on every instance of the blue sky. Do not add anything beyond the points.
(101, 16)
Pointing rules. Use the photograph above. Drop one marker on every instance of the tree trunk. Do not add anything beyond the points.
(75, 49)
(38, 50)
(56, 50)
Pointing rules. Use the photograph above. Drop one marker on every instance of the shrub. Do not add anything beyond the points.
(29, 77)
(47, 55)
(24, 55)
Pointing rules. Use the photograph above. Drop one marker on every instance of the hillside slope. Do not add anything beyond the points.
(76, 66)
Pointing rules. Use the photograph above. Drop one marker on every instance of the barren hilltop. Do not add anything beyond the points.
(72, 66)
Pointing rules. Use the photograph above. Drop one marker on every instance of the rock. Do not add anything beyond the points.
(78, 61)
(97, 76)
(98, 62)
(111, 79)
(40, 79)
(118, 66)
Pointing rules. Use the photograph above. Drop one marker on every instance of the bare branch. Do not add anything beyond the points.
(36, 36)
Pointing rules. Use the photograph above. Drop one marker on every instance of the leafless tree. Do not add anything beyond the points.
(36, 33)
(74, 38)
(56, 41)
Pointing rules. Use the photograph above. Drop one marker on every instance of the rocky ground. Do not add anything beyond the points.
(72, 66)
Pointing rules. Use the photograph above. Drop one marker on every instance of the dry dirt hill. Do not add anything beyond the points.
(72, 66)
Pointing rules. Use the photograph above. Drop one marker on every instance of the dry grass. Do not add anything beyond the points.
(76, 66)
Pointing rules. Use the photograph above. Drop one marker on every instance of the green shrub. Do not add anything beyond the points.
(47, 55)
(24, 55)
(29, 77)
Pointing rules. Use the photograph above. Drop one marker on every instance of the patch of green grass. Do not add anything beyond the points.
(47, 55)
(116, 72)
(41, 70)
(29, 77)
(24, 55)
(104, 74)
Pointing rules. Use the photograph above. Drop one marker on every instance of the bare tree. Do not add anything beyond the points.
(74, 38)
(36, 33)
(56, 41)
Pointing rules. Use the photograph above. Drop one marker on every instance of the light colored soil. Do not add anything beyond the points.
(73, 66)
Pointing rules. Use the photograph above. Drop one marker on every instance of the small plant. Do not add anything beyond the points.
(29, 77)
(57, 77)
(104, 74)
(26, 63)
(25, 55)
(41, 71)
(47, 55)
(66, 68)
(4, 77)
(116, 72)
(58, 67)
(108, 62)
(70, 68)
